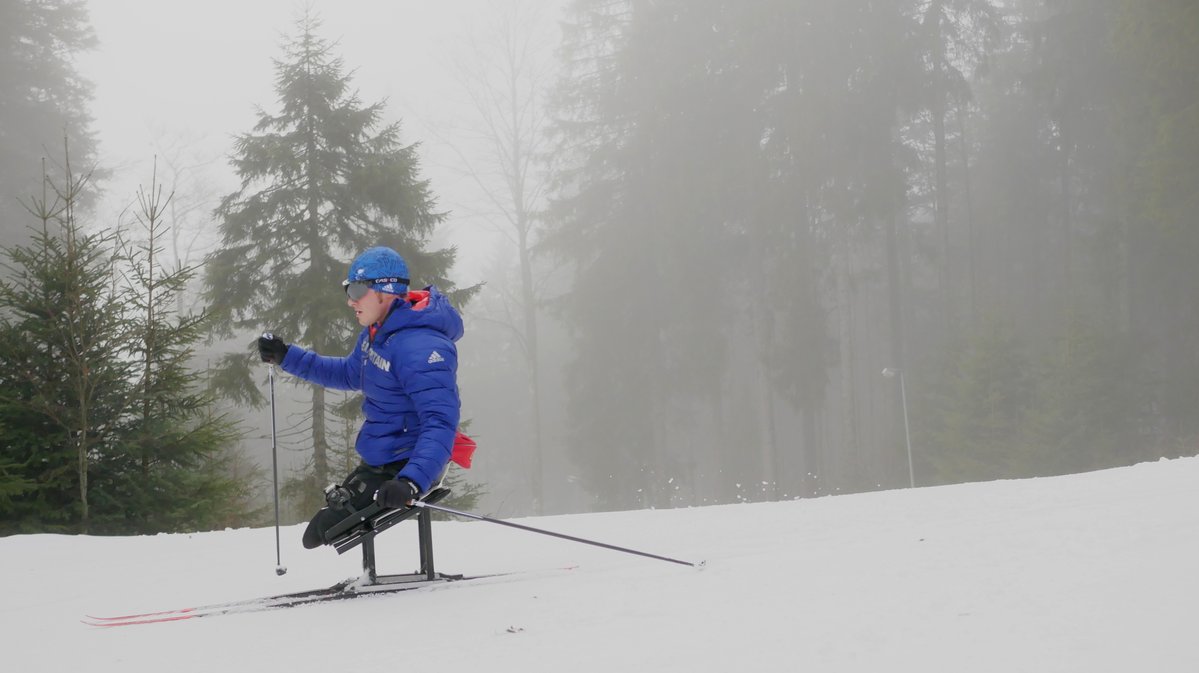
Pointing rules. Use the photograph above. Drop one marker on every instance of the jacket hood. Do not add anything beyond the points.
(426, 309)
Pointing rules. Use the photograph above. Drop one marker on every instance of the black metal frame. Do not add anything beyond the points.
(363, 529)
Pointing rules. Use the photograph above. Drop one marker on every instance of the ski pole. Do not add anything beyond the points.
(480, 517)
(280, 569)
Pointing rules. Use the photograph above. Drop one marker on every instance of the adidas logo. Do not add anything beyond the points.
(435, 357)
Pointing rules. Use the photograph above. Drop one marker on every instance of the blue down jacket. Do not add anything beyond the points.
(407, 373)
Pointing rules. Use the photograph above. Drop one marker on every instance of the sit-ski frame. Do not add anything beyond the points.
(362, 529)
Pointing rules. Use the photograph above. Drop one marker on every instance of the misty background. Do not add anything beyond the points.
(704, 229)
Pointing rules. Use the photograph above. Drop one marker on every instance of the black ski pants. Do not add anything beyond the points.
(361, 484)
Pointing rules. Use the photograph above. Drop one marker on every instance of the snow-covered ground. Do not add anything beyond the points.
(1093, 572)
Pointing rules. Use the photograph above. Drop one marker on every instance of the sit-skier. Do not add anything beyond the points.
(405, 364)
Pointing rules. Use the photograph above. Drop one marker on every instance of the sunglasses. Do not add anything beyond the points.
(357, 289)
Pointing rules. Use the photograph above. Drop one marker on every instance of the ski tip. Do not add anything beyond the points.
(100, 623)
(107, 623)
(140, 615)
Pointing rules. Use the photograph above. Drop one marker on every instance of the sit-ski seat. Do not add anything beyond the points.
(360, 529)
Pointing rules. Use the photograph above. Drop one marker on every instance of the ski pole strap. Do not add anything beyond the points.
(480, 517)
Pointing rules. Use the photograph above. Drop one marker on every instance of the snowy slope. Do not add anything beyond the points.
(1093, 572)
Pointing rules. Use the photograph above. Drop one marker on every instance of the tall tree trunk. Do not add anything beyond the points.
(969, 209)
(769, 449)
(517, 187)
(895, 300)
(84, 514)
(78, 347)
(813, 452)
(849, 413)
(532, 361)
(772, 456)
(941, 198)
(320, 441)
(941, 210)
(150, 210)
(1067, 211)
(761, 332)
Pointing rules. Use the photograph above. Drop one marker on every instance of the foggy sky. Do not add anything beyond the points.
(193, 81)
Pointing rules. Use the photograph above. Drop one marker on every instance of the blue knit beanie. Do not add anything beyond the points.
(382, 265)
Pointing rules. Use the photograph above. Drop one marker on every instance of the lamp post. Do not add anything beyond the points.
(907, 433)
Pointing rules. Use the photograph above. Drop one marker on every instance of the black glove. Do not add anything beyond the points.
(396, 493)
(272, 349)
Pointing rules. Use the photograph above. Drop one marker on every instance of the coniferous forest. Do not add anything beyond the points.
(766, 204)
(759, 250)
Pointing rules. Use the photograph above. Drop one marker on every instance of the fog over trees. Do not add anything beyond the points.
(709, 228)
(42, 99)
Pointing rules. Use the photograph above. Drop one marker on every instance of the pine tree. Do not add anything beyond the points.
(168, 471)
(320, 181)
(64, 334)
(1088, 398)
(102, 426)
(1158, 123)
(973, 424)
(41, 94)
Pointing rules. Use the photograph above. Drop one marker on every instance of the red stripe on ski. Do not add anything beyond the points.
(107, 622)
(141, 615)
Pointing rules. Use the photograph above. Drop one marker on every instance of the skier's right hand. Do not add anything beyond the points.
(272, 349)
(397, 493)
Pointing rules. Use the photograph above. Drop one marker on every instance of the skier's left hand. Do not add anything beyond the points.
(396, 493)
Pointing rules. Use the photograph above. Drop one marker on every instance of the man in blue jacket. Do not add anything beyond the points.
(405, 363)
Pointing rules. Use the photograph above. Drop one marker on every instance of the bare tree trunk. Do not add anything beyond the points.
(532, 362)
(504, 84)
(518, 187)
